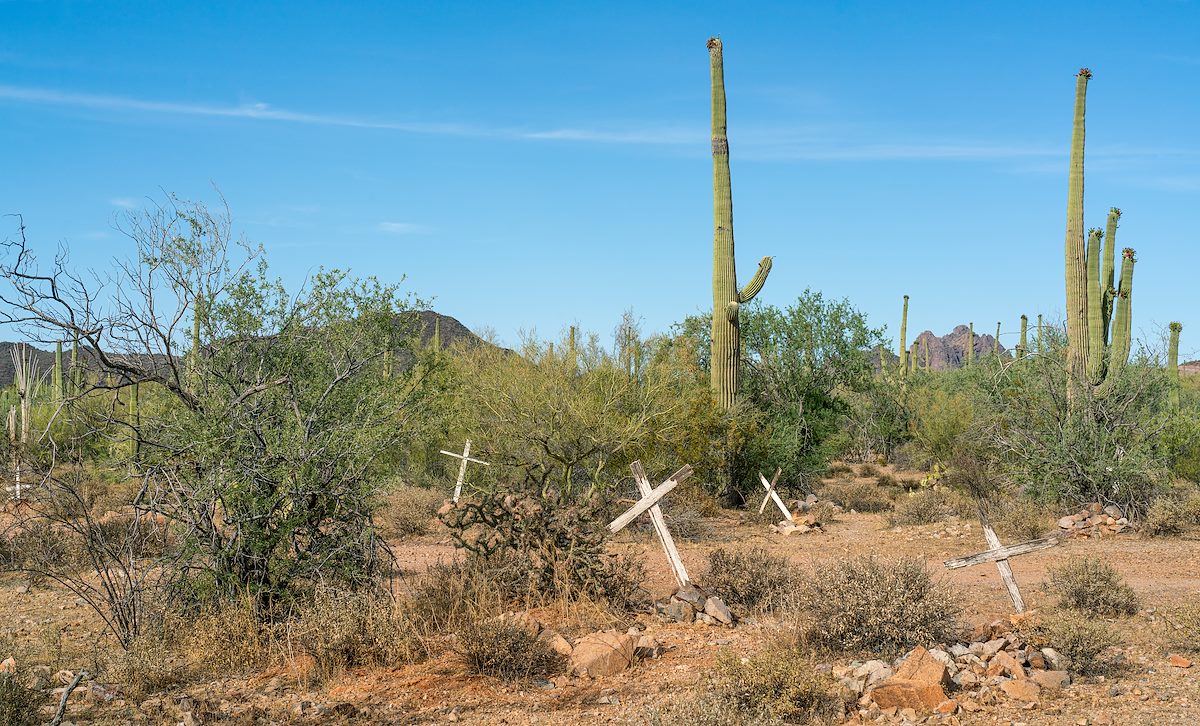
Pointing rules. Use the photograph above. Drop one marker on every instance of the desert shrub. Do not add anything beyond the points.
(449, 596)
(941, 422)
(686, 524)
(228, 638)
(1172, 514)
(1185, 628)
(868, 470)
(343, 630)
(928, 506)
(824, 513)
(751, 579)
(1022, 518)
(1093, 586)
(864, 604)
(507, 650)
(859, 496)
(839, 470)
(558, 546)
(886, 480)
(149, 664)
(703, 709)
(780, 682)
(1077, 635)
(20, 703)
(408, 511)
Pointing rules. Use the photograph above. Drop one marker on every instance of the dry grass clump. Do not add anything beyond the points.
(867, 605)
(868, 470)
(779, 683)
(1173, 514)
(703, 709)
(229, 639)
(451, 596)
(887, 481)
(753, 579)
(1075, 634)
(1094, 586)
(150, 664)
(927, 506)
(839, 470)
(858, 496)
(1185, 625)
(20, 702)
(343, 630)
(507, 650)
(1022, 518)
(408, 511)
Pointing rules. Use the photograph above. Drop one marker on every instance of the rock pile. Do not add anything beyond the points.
(804, 519)
(1094, 521)
(600, 654)
(964, 677)
(690, 603)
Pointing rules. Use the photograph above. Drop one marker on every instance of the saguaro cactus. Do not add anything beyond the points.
(996, 340)
(970, 343)
(1023, 346)
(76, 369)
(1099, 316)
(135, 420)
(1173, 365)
(725, 362)
(1039, 334)
(57, 377)
(904, 362)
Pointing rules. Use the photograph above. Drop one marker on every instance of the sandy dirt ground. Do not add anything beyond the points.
(1164, 572)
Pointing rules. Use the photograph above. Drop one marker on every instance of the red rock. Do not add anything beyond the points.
(603, 654)
(922, 667)
(1179, 661)
(1003, 664)
(1051, 680)
(947, 706)
(919, 684)
(1022, 690)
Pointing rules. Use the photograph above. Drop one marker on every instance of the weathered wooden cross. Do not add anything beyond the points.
(649, 501)
(1000, 555)
(462, 467)
(773, 495)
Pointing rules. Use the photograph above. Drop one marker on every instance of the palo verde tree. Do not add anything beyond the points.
(256, 449)
(725, 363)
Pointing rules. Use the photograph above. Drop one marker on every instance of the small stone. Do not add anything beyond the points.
(992, 647)
(647, 647)
(8, 665)
(715, 607)
(1003, 664)
(679, 611)
(1179, 661)
(1056, 660)
(874, 671)
(556, 641)
(64, 677)
(947, 707)
(707, 619)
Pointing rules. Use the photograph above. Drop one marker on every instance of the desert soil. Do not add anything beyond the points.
(1164, 572)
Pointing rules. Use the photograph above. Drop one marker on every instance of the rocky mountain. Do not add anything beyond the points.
(425, 324)
(948, 351)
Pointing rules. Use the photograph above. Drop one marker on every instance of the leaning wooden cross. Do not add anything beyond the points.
(773, 495)
(1000, 555)
(462, 468)
(649, 501)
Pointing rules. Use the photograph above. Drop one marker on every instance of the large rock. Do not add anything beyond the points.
(1022, 690)
(920, 684)
(1051, 680)
(715, 607)
(1004, 664)
(692, 595)
(603, 654)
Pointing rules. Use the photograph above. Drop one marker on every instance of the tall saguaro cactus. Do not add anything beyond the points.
(1099, 316)
(1023, 346)
(57, 379)
(1173, 365)
(725, 362)
(904, 358)
(996, 340)
(970, 343)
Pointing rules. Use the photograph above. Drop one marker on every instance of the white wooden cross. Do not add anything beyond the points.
(649, 501)
(1000, 555)
(12, 438)
(462, 467)
(773, 495)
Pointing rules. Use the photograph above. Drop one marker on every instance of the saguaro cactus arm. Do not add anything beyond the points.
(1173, 365)
(1107, 282)
(752, 288)
(1122, 332)
(1095, 315)
(903, 350)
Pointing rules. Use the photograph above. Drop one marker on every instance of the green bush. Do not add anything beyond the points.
(941, 422)
(507, 650)
(751, 579)
(780, 682)
(1173, 514)
(1093, 586)
(1022, 518)
(868, 605)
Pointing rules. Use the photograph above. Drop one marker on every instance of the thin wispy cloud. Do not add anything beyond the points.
(814, 143)
(124, 202)
(401, 228)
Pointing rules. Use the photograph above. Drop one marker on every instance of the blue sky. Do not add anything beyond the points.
(535, 165)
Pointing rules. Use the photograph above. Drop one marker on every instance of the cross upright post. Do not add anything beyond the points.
(462, 467)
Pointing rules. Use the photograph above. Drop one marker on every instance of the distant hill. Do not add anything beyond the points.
(947, 351)
(450, 332)
(1190, 368)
